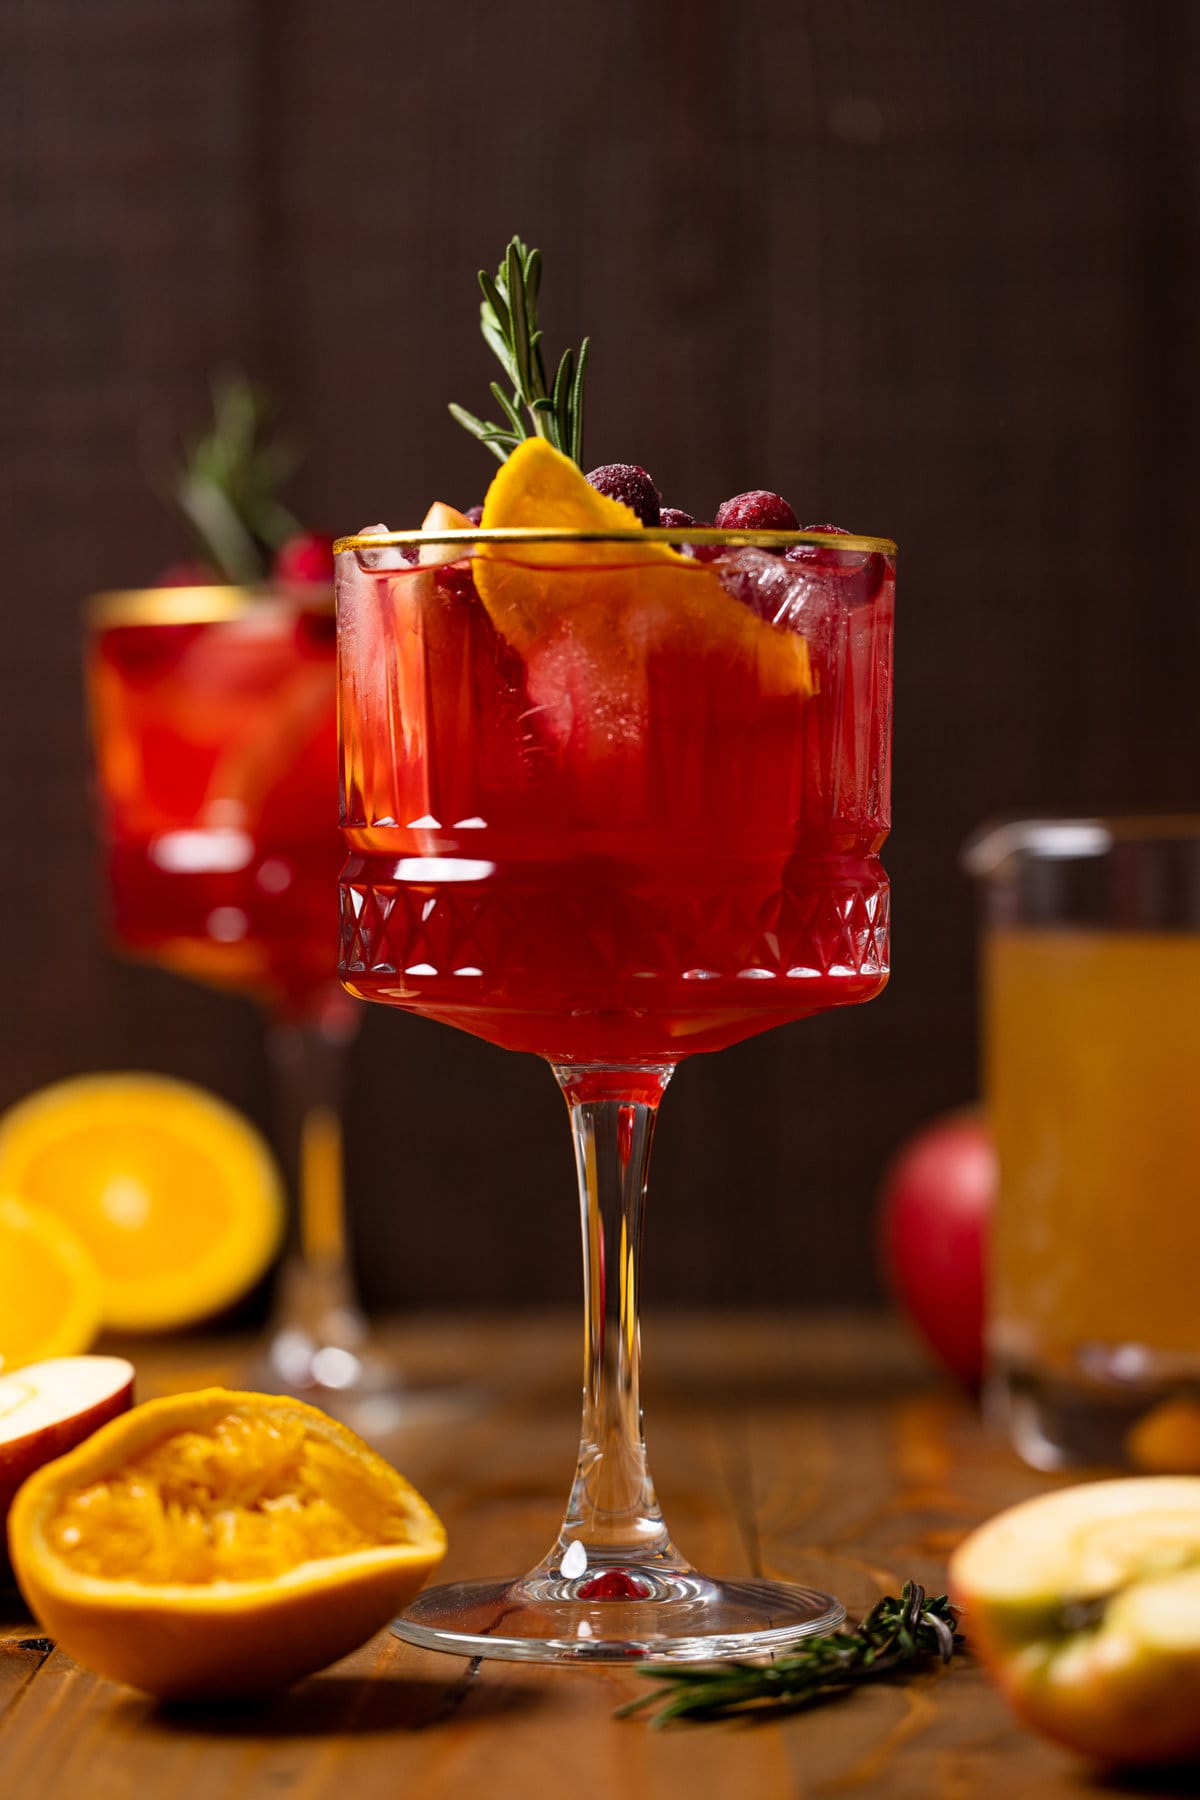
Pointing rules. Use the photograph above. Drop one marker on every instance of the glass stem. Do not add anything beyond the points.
(316, 1308)
(613, 1517)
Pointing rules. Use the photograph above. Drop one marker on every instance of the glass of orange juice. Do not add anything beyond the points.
(1091, 982)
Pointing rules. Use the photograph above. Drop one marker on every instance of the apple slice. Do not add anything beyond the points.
(47, 1408)
(1084, 1605)
(441, 517)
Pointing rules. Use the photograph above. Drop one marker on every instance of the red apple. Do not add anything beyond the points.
(47, 1408)
(1084, 1607)
(935, 1202)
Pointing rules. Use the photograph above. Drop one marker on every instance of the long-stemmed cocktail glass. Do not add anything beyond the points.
(214, 716)
(614, 805)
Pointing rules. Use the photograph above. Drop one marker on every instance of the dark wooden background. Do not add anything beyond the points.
(929, 269)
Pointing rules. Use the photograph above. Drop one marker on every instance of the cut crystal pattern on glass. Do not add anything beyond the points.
(839, 928)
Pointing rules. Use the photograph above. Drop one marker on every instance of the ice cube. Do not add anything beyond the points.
(804, 597)
(762, 581)
(388, 556)
(861, 572)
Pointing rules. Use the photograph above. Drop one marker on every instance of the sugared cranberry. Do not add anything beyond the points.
(673, 519)
(191, 574)
(632, 486)
(475, 514)
(614, 1584)
(756, 510)
(307, 557)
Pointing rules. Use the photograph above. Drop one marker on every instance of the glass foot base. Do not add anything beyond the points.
(619, 1615)
(1094, 1415)
(358, 1387)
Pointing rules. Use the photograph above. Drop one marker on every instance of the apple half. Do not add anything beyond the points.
(47, 1408)
(1084, 1605)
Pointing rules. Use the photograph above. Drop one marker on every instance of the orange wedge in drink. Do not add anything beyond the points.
(49, 1288)
(174, 1196)
(618, 602)
(219, 1544)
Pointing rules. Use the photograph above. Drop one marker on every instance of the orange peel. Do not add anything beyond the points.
(622, 599)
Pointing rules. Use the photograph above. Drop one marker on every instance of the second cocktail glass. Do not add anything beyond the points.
(214, 723)
(614, 805)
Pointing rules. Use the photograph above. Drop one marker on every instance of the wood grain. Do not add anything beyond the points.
(816, 1449)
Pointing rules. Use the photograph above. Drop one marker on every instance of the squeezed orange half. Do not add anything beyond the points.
(219, 1544)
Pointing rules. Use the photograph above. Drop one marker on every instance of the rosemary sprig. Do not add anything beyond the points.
(535, 407)
(229, 484)
(895, 1635)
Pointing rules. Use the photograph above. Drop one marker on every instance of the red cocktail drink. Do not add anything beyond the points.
(650, 826)
(215, 725)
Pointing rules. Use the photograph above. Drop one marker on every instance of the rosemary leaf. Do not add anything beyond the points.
(538, 360)
(519, 329)
(576, 409)
(477, 427)
(562, 396)
(491, 294)
(509, 408)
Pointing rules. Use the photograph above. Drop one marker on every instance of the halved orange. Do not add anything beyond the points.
(49, 1288)
(619, 600)
(219, 1543)
(173, 1193)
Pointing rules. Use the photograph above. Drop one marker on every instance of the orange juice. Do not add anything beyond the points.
(1093, 1053)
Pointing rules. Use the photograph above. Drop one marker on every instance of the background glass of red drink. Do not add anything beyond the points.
(588, 817)
(214, 722)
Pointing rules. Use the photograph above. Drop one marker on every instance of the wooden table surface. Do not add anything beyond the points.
(814, 1450)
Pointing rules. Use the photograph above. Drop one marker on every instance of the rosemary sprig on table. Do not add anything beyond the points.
(896, 1635)
(535, 408)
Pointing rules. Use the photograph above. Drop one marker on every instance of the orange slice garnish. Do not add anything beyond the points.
(622, 600)
(219, 1543)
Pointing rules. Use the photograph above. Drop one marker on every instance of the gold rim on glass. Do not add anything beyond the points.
(199, 605)
(646, 534)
